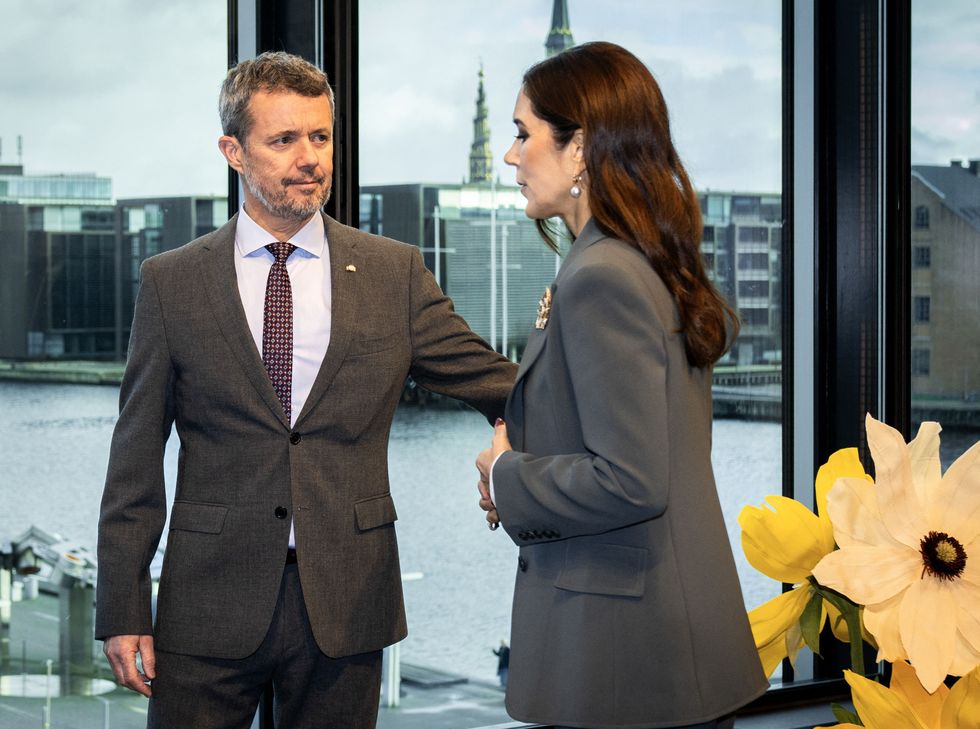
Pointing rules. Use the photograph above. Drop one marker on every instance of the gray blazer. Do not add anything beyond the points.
(627, 607)
(243, 472)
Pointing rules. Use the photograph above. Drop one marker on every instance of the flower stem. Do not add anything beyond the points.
(851, 613)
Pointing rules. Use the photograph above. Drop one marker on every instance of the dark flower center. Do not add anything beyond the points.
(942, 556)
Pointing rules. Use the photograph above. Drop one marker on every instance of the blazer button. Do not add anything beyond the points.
(522, 564)
(295, 437)
(280, 512)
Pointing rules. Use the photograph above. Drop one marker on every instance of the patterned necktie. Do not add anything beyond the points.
(277, 326)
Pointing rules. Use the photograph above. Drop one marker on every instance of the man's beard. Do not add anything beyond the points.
(278, 202)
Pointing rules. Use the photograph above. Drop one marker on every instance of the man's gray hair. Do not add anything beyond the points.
(270, 71)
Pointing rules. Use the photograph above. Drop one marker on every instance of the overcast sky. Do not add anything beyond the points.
(128, 89)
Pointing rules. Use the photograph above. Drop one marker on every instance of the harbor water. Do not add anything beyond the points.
(54, 444)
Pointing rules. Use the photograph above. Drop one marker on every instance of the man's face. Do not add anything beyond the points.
(287, 162)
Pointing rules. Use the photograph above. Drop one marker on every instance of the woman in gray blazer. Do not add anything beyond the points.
(627, 606)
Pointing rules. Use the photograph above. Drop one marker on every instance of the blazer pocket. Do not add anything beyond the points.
(374, 512)
(363, 346)
(603, 569)
(194, 516)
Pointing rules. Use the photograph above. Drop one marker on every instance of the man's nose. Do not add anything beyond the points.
(306, 155)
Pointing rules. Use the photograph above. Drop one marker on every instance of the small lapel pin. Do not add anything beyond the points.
(351, 267)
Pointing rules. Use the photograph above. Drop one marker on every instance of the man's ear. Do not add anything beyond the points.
(232, 150)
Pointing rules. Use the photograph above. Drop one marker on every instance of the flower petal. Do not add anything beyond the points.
(878, 707)
(898, 502)
(783, 542)
(844, 463)
(881, 620)
(927, 706)
(869, 575)
(771, 620)
(959, 498)
(924, 459)
(965, 659)
(962, 706)
(968, 613)
(928, 630)
(853, 508)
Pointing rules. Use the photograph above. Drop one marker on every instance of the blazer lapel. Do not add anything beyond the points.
(514, 412)
(221, 287)
(343, 307)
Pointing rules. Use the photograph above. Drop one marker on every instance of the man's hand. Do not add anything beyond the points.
(121, 650)
(484, 462)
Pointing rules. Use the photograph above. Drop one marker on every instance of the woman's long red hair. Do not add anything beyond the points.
(638, 189)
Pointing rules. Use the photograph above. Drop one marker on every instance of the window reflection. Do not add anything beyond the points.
(424, 179)
(107, 156)
(945, 196)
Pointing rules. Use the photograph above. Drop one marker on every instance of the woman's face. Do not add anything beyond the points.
(544, 172)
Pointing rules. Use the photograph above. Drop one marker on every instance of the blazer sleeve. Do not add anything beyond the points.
(614, 348)
(447, 356)
(134, 502)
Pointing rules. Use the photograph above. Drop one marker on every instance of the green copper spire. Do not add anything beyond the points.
(481, 158)
(560, 35)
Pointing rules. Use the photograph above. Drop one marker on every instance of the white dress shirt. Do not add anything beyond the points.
(309, 278)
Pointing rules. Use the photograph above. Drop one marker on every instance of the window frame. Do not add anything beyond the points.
(846, 89)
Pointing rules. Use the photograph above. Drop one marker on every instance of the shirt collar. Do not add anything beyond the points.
(250, 237)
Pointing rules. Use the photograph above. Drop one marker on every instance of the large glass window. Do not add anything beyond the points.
(945, 193)
(432, 138)
(107, 138)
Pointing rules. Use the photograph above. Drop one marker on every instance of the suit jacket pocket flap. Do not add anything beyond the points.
(197, 517)
(603, 569)
(375, 512)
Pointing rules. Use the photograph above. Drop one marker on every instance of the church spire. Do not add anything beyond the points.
(560, 35)
(481, 157)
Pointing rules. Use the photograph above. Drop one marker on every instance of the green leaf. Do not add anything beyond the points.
(810, 622)
(845, 715)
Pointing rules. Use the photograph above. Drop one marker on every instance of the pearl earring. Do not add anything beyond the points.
(576, 191)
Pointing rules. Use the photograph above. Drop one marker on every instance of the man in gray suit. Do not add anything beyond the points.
(279, 346)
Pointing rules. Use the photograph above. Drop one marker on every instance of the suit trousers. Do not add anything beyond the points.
(311, 690)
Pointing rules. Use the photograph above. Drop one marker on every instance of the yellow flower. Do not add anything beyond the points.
(910, 552)
(907, 705)
(785, 542)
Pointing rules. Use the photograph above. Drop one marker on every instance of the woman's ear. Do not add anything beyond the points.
(577, 144)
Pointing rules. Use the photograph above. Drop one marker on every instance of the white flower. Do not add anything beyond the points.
(910, 552)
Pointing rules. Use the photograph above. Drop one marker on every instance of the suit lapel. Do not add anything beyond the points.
(535, 343)
(343, 307)
(221, 286)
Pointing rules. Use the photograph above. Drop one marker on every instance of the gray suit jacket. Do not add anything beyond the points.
(243, 472)
(627, 607)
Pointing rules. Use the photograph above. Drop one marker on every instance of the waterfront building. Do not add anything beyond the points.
(58, 246)
(71, 260)
(945, 294)
(741, 244)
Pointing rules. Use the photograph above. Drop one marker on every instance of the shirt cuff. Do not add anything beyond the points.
(492, 497)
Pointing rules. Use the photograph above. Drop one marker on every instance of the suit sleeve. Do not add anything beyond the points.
(447, 356)
(134, 503)
(615, 350)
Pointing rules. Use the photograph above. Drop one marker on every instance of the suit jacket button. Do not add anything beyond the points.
(280, 512)
(295, 437)
(522, 564)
